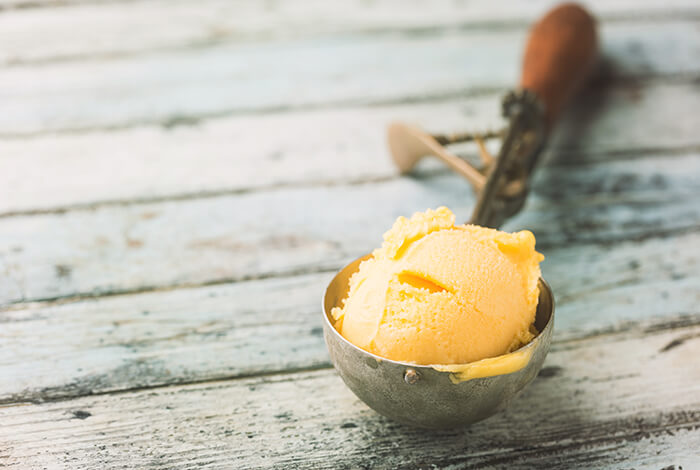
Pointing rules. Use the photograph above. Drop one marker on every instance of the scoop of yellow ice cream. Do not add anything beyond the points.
(436, 293)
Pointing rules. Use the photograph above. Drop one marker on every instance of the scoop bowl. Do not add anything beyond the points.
(420, 395)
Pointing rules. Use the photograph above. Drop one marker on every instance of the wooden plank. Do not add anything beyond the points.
(235, 154)
(318, 147)
(174, 86)
(599, 287)
(147, 340)
(178, 243)
(87, 30)
(599, 402)
(116, 343)
(580, 204)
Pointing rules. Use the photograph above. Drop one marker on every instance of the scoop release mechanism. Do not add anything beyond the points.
(561, 51)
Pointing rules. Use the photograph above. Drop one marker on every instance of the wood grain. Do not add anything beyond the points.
(336, 146)
(169, 87)
(630, 396)
(95, 346)
(80, 30)
(286, 231)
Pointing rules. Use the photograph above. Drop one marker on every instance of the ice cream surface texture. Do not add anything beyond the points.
(436, 293)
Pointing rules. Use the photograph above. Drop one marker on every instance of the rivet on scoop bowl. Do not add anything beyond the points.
(422, 395)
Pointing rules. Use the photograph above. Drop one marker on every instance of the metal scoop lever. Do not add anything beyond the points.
(559, 56)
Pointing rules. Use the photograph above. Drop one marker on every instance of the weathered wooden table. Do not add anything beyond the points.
(179, 181)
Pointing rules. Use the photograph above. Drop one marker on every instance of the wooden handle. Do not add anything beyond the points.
(559, 56)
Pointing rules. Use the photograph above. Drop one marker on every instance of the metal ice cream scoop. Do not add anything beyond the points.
(422, 395)
(559, 55)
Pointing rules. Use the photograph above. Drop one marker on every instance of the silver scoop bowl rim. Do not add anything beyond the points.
(421, 395)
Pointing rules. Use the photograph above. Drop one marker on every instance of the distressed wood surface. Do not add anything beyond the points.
(99, 29)
(178, 183)
(292, 230)
(209, 333)
(174, 86)
(336, 146)
(629, 399)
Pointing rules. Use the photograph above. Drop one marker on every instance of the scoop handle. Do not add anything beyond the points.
(559, 56)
